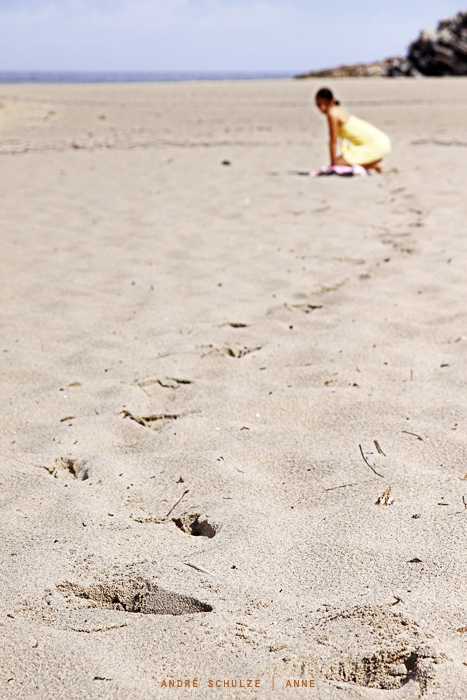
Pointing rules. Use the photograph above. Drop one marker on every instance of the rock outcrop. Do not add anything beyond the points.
(360, 70)
(436, 52)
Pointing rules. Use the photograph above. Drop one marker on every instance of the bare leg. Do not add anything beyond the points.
(378, 165)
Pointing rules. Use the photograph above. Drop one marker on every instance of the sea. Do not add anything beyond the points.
(130, 77)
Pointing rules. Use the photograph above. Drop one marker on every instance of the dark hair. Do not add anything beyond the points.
(326, 94)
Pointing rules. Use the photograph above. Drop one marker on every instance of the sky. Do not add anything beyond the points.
(209, 35)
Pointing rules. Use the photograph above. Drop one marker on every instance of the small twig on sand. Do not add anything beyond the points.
(398, 600)
(199, 568)
(407, 432)
(333, 488)
(459, 512)
(377, 445)
(368, 464)
(176, 504)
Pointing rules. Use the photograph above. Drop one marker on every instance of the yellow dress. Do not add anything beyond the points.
(362, 143)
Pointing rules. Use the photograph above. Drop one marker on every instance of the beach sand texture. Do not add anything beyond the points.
(211, 372)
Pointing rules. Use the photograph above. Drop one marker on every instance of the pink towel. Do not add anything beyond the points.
(342, 170)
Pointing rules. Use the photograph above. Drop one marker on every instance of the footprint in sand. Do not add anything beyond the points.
(134, 595)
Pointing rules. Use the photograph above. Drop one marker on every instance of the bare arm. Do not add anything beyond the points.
(333, 134)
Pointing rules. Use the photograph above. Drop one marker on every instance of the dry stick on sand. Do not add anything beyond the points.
(333, 488)
(459, 512)
(377, 445)
(176, 504)
(407, 432)
(368, 464)
(199, 568)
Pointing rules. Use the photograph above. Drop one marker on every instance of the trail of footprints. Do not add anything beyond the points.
(347, 639)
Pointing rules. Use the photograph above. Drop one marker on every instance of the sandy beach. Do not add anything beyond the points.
(234, 420)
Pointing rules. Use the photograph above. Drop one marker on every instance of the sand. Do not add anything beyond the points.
(211, 370)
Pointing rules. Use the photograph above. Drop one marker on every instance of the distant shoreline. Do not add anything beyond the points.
(135, 76)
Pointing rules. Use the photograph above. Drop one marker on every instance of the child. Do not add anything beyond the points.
(362, 143)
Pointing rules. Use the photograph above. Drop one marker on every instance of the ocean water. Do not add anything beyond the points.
(129, 77)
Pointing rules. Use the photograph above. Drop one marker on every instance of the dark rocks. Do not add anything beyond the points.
(436, 52)
(360, 70)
